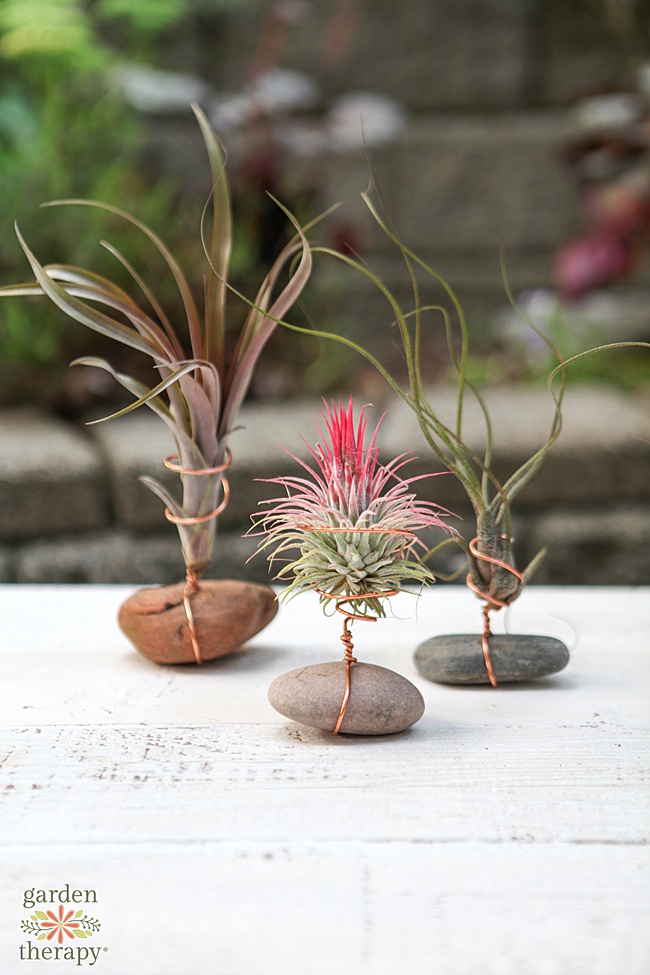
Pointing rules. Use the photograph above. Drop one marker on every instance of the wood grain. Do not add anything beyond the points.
(505, 833)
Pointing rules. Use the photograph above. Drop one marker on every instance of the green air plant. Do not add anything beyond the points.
(353, 523)
(201, 387)
(492, 573)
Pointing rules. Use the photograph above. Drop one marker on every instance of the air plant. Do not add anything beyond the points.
(492, 573)
(200, 391)
(353, 522)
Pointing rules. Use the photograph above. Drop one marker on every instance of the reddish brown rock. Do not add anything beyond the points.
(226, 614)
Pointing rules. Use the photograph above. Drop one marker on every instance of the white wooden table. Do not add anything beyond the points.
(505, 833)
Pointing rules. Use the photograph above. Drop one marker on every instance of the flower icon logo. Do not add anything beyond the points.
(50, 925)
(59, 925)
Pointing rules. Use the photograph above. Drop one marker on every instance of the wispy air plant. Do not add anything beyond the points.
(348, 489)
(492, 572)
(201, 389)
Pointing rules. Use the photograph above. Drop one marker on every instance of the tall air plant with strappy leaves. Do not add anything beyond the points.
(353, 522)
(490, 559)
(201, 388)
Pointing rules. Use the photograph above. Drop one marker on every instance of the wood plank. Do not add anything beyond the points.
(247, 908)
(104, 784)
(63, 659)
(505, 833)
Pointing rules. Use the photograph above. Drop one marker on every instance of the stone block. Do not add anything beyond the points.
(106, 557)
(6, 565)
(468, 181)
(122, 557)
(52, 477)
(592, 546)
(582, 49)
(133, 445)
(601, 456)
(425, 55)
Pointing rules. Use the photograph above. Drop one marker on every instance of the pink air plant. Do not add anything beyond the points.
(348, 489)
(201, 384)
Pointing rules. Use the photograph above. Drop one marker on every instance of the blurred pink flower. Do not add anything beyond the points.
(596, 260)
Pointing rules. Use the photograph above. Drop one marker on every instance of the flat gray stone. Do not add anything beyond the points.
(458, 658)
(381, 702)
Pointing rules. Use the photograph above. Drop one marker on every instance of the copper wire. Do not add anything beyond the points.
(341, 599)
(346, 637)
(491, 603)
(191, 587)
(170, 464)
(192, 577)
(374, 529)
(200, 520)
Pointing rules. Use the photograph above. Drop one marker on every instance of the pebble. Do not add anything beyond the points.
(458, 658)
(226, 614)
(381, 702)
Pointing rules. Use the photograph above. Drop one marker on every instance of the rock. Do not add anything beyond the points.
(458, 658)
(226, 614)
(381, 702)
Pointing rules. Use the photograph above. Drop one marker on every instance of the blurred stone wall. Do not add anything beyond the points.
(73, 511)
(486, 87)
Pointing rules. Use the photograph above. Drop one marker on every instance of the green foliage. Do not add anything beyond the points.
(64, 133)
(149, 16)
(41, 34)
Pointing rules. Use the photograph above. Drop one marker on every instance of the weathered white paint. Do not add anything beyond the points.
(505, 833)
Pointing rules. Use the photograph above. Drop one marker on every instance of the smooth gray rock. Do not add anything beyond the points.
(381, 702)
(458, 658)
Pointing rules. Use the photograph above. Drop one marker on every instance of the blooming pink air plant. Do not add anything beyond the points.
(348, 489)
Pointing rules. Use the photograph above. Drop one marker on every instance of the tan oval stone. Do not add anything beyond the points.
(381, 702)
(226, 614)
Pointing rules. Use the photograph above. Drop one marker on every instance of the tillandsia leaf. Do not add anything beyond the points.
(218, 248)
(161, 491)
(193, 321)
(149, 295)
(610, 346)
(353, 524)
(145, 398)
(259, 328)
(80, 311)
(94, 287)
(200, 406)
(524, 474)
(141, 391)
